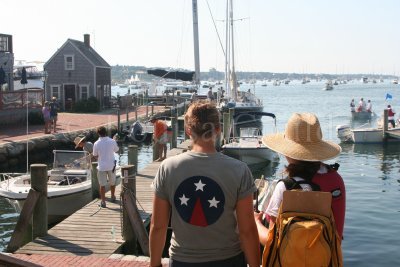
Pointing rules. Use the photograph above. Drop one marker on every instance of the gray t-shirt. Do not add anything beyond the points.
(203, 190)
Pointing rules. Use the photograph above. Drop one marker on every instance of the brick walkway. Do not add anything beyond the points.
(70, 122)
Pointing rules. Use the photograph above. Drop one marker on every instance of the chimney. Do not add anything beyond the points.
(86, 39)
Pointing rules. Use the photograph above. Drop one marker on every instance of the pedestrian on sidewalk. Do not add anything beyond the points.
(46, 117)
(209, 197)
(54, 108)
(104, 149)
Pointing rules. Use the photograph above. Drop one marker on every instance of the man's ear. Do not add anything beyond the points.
(188, 131)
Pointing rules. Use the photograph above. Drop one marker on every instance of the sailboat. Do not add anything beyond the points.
(243, 102)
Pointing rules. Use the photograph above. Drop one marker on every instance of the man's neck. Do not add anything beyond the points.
(204, 147)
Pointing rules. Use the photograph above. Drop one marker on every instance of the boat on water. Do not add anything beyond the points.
(69, 185)
(362, 115)
(365, 135)
(33, 77)
(328, 86)
(240, 101)
(138, 133)
(247, 147)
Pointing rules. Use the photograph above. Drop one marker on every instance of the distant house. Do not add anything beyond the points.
(76, 72)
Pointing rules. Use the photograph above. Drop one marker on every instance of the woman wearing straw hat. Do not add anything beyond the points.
(82, 143)
(304, 149)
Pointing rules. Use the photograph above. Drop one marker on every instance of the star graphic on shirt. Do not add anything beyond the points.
(199, 185)
(213, 202)
(184, 200)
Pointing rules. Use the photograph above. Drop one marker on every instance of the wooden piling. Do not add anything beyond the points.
(39, 184)
(385, 123)
(147, 111)
(152, 110)
(127, 115)
(174, 125)
(128, 186)
(136, 115)
(226, 122)
(133, 156)
(119, 121)
(95, 181)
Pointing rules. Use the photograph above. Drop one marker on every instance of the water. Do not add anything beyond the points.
(370, 172)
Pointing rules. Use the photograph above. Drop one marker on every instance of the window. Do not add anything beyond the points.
(4, 44)
(84, 91)
(69, 62)
(55, 91)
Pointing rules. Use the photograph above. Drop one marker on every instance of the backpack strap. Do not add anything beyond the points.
(292, 184)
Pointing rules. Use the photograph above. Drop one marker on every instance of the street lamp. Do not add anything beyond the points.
(44, 78)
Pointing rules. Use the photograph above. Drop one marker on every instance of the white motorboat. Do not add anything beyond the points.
(364, 135)
(328, 85)
(33, 77)
(68, 188)
(362, 115)
(249, 148)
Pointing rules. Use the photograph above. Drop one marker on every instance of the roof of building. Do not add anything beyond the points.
(90, 53)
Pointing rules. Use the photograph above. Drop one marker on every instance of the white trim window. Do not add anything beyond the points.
(69, 62)
(84, 91)
(55, 91)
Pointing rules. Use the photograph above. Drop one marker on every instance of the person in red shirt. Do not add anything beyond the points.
(160, 137)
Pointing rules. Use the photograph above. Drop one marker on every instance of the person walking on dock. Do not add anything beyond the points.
(160, 136)
(210, 199)
(391, 114)
(104, 150)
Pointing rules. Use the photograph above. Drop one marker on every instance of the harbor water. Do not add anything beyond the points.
(371, 172)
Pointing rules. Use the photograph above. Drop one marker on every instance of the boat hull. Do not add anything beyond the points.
(362, 115)
(251, 156)
(363, 136)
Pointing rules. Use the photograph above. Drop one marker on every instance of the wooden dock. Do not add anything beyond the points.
(89, 230)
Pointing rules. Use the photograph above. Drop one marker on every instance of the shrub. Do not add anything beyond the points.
(89, 105)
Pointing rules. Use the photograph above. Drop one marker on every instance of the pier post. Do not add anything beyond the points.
(174, 125)
(95, 181)
(127, 115)
(128, 186)
(136, 113)
(226, 122)
(152, 110)
(39, 184)
(232, 122)
(133, 156)
(385, 123)
(147, 111)
(119, 121)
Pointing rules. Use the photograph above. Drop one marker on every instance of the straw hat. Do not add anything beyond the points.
(78, 140)
(302, 140)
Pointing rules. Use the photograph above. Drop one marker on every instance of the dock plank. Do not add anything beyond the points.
(88, 231)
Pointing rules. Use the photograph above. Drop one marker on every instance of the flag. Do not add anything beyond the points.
(388, 96)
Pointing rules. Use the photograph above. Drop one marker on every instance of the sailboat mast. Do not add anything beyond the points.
(227, 54)
(233, 73)
(196, 42)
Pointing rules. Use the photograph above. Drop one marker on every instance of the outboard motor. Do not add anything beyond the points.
(344, 133)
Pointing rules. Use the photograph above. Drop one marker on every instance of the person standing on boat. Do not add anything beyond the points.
(369, 106)
(304, 149)
(160, 136)
(391, 116)
(352, 106)
(46, 117)
(54, 107)
(361, 105)
(103, 150)
(209, 197)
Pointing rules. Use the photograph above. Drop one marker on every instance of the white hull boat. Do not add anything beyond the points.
(364, 135)
(249, 148)
(69, 185)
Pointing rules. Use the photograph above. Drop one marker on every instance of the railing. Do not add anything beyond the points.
(19, 99)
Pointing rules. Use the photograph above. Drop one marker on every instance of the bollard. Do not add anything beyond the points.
(133, 156)
(174, 125)
(95, 182)
(39, 184)
(128, 186)
(226, 122)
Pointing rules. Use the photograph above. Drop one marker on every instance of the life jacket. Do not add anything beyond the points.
(390, 112)
(307, 239)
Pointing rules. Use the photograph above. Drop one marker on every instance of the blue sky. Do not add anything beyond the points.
(317, 36)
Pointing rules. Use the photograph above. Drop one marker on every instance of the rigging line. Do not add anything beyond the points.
(216, 30)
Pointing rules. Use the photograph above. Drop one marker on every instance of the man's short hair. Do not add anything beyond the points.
(102, 131)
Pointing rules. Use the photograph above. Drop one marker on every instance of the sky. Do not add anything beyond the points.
(296, 36)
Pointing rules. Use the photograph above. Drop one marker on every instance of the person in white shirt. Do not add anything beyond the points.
(369, 106)
(361, 105)
(104, 150)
